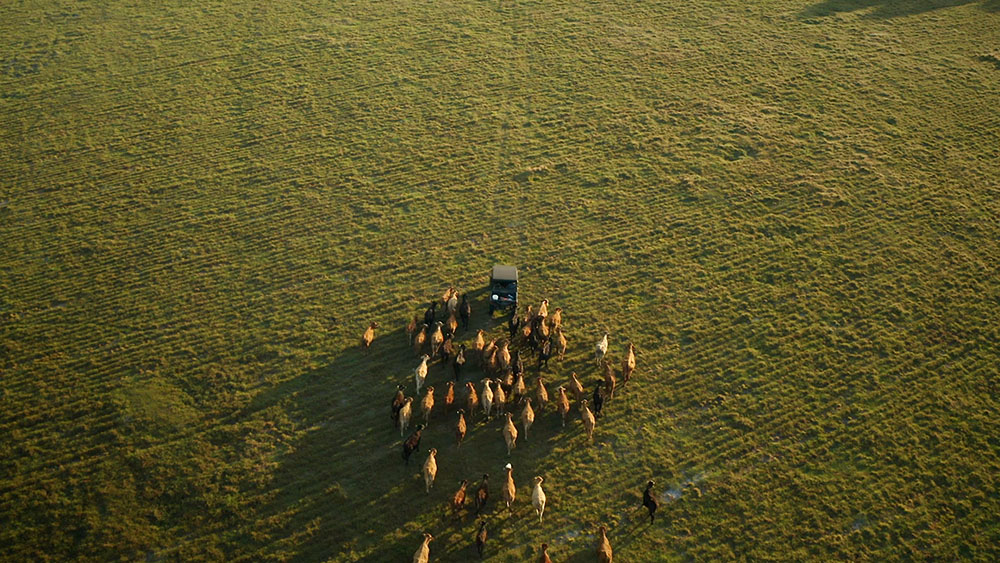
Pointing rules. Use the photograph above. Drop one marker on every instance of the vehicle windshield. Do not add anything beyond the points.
(500, 284)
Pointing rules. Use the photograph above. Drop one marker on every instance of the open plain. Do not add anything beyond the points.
(791, 207)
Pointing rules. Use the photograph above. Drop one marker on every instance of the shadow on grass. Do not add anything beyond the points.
(342, 490)
(890, 8)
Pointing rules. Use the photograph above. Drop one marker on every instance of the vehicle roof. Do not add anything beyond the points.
(505, 273)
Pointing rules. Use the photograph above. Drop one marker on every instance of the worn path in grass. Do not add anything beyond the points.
(790, 207)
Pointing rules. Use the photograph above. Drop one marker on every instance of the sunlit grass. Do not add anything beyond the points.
(791, 209)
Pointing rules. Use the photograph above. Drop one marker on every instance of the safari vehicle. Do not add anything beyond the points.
(503, 288)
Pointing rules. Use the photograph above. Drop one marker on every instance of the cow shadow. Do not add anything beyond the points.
(344, 471)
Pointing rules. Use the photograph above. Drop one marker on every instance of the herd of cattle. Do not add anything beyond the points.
(501, 394)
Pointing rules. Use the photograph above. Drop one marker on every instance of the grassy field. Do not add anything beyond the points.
(792, 208)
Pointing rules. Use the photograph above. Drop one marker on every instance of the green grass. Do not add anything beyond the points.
(790, 207)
